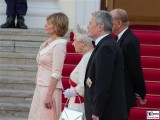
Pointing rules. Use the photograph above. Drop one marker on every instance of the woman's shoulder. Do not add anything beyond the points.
(87, 55)
(61, 41)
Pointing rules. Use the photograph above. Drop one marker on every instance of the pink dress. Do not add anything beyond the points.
(50, 61)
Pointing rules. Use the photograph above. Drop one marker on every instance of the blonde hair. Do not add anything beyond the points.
(60, 21)
(81, 35)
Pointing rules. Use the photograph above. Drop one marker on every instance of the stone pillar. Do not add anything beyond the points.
(37, 12)
(84, 8)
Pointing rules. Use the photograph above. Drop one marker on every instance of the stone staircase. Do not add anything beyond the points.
(18, 50)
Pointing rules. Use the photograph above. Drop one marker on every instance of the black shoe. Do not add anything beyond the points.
(20, 22)
(10, 22)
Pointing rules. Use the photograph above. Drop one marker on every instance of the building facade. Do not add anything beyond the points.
(78, 11)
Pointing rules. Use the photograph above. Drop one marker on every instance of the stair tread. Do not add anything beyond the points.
(17, 55)
(10, 65)
(15, 106)
(18, 67)
(150, 62)
(13, 79)
(12, 118)
(16, 93)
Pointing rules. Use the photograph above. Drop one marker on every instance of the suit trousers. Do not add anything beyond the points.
(16, 7)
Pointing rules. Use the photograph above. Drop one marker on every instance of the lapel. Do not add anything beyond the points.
(46, 49)
(123, 36)
(94, 51)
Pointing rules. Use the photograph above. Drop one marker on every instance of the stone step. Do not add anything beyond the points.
(16, 80)
(16, 96)
(15, 89)
(18, 67)
(20, 34)
(16, 93)
(17, 86)
(19, 46)
(31, 34)
(28, 41)
(18, 70)
(20, 58)
(15, 99)
(14, 109)
(12, 118)
(15, 106)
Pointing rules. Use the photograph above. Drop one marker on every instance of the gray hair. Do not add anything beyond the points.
(104, 18)
(82, 35)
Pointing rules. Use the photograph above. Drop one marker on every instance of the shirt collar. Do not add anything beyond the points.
(121, 33)
(53, 43)
(99, 39)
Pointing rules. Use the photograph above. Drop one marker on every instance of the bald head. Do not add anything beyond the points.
(120, 20)
(120, 14)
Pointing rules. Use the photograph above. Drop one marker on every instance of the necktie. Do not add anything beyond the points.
(116, 38)
(93, 43)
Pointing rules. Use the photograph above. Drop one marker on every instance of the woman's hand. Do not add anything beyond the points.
(70, 92)
(49, 102)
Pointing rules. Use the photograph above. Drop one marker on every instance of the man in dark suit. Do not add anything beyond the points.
(15, 8)
(133, 76)
(104, 78)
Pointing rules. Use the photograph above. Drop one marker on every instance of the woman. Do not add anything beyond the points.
(46, 103)
(83, 45)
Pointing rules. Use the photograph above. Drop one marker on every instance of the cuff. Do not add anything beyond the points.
(56, 76)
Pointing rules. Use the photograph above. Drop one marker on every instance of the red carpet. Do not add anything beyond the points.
(72, 58)
(153, 87)
(139, 113)
(151, 74)
(150, 61)
(150, 50)
(67, 69)
(152, 102)
(148, 37)
(70, 48)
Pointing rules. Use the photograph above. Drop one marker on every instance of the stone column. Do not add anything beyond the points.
(84, 8)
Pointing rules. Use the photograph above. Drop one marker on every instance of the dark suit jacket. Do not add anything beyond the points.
(106, 96)
(133, 76)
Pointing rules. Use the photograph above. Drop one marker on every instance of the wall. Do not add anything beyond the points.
(145, 12)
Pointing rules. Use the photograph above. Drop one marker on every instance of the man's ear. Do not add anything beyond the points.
(101, 27)
(119, 23)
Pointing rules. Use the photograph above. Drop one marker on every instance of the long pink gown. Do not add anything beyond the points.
(50, 61)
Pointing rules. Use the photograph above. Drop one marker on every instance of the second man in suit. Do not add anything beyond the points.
(133, 76)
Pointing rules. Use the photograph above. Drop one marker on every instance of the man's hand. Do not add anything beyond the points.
(95, 117)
